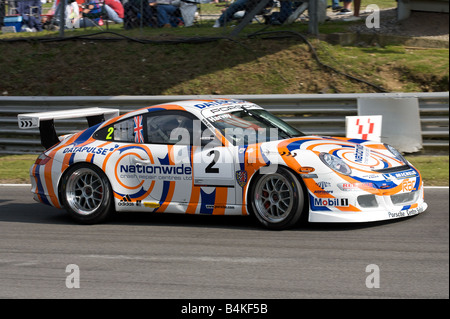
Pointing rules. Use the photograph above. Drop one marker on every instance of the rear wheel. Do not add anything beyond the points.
(86, 194)
(277, 200)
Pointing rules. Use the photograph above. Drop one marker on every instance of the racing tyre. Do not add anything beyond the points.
(277, 200)
(86, 194)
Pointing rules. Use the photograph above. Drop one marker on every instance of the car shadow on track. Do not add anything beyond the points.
(41, 214)
(32, 213)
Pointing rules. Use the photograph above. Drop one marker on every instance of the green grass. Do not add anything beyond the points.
(241, 66)
(397, 68)
(434, 169)
(14, 169)
(252, 66)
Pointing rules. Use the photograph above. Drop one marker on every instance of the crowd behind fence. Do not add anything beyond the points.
(35, 16)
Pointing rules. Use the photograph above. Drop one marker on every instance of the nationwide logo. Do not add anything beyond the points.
(326, 202)
(361, 154)
(156, 169)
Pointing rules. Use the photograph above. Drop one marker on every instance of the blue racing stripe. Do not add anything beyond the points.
(166, 186)
(40, 187)
(208, 200)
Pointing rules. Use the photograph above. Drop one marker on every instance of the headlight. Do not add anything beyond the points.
(335, 163)
(396, 153)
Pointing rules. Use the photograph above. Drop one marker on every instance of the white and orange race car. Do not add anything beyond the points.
(219, 157)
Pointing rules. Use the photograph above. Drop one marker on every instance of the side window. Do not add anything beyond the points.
(130, 130)
(173, 128)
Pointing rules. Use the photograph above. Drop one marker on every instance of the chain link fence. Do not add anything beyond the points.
(57, 18)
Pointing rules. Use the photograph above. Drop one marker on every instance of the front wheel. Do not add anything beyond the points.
(277, 200)
(86, 194)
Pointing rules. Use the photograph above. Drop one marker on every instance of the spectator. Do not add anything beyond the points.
(114, 10)
(92, 14)
(139, 13)
(348, 5)
(335, 6)
(2, 12)
(236, 6)
(286, 9)
(227, 14)
(357, 7)
(167, 12)
(30, 10)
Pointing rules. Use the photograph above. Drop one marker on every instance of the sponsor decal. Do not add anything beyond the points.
(408, 185)
(406, 174)
(361, 154)
(216, 103)
(355, 186)
(401, 175)
(156, 169)
(323, 192)
(219, 206)
(126, 201)
(89, 150)
(373, 176)
(405, 213)
(324, 184)
(151, 204)
(241, 178)
(219, 117)
(326, 202)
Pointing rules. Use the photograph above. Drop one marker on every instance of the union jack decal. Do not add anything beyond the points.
(138, 130)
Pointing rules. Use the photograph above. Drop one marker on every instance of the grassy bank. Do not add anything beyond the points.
(118, 64)
(434, 169)
(252, 66)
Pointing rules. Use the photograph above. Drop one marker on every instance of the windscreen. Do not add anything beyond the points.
(245, 127)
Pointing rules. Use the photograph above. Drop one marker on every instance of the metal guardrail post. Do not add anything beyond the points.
(62, 18)
(313, 25)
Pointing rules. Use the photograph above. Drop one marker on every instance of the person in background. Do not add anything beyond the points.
(115, 11)
(2, 12)
(166, 11)
(30, 10)
(228, 14)
(356, 9)
(348, 5)
(335, 6)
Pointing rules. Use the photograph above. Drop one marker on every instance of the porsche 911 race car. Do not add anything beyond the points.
(219, 157)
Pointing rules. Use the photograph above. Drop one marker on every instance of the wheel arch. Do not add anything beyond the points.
(69, 167)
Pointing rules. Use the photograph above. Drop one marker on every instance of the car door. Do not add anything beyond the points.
(165, 164)
(214, 166)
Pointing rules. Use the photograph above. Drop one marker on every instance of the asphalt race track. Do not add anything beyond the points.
(215, 257)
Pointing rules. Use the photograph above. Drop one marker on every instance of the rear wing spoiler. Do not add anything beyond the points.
(44, 121)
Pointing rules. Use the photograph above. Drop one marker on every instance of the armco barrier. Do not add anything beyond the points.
(322, 114)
